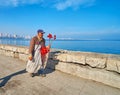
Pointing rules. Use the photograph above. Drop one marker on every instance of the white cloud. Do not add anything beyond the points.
(58, 4)
(73, 3)
(16, 3)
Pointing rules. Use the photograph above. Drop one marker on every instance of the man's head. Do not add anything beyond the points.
(40, 33)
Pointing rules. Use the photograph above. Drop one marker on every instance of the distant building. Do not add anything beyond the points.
(1, 34)
(15, 36)
(27, 37)
(7, 35)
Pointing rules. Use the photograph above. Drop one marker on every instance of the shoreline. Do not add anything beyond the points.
(66, 50)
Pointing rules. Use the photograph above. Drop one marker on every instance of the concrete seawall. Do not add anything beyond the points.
(103, 68)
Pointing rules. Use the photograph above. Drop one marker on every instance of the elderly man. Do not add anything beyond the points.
(36, 59)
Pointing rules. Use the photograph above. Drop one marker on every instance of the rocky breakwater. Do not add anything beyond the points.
(103, 68)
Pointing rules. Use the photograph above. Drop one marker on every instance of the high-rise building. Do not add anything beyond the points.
(1, 34)
(15, 36)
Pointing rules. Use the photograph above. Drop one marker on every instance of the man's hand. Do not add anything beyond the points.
(30, 57)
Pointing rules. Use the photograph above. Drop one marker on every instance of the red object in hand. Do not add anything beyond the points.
(44, 50)
(50, 36)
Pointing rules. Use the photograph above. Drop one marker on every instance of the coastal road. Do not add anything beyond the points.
(15, 81)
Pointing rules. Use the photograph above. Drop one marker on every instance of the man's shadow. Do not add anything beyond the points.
(7, 78)
(51, 63)
(50, 67)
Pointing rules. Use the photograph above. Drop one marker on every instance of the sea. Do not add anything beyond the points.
(97, 46)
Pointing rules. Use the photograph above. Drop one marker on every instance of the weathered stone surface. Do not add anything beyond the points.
(72, 58)
(103, 76)
(96, 62)
(75, 58)
(62, 67)
(15, 49)
(106, 77)
(1, 46)
(9, 53)
(62, 57)
(73, 69)
(9, 48)
(113, 63)
(2, 52)
(23, 57)
(23, 50)
(16, 55)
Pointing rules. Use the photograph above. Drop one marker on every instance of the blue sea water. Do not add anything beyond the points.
(99, 46)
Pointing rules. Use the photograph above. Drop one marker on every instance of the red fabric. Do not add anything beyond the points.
(50, 36)
(44, 50)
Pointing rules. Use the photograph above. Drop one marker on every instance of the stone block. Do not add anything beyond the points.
(62, 57)
(103, 76)
(2, 52)
(2, 46)
(113, 63)
(73, 58)
(23, 50)
(16, 55)
(15, 49)
(96, 62)
(8, 48)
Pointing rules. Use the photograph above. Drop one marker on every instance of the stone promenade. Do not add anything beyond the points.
(15, 81)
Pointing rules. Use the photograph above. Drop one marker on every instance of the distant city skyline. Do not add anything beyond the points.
(7, 35)
(14, 36)
(71, 19)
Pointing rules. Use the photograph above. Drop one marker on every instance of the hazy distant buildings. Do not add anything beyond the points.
(27, 37)
(14, 36)
(0, 34)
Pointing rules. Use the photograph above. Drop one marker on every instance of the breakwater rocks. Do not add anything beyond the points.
(103, 68)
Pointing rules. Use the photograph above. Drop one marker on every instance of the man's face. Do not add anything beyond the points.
(40, 35)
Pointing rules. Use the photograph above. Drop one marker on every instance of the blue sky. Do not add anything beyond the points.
(83, 19)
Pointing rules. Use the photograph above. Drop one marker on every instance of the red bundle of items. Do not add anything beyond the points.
(45, 50)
